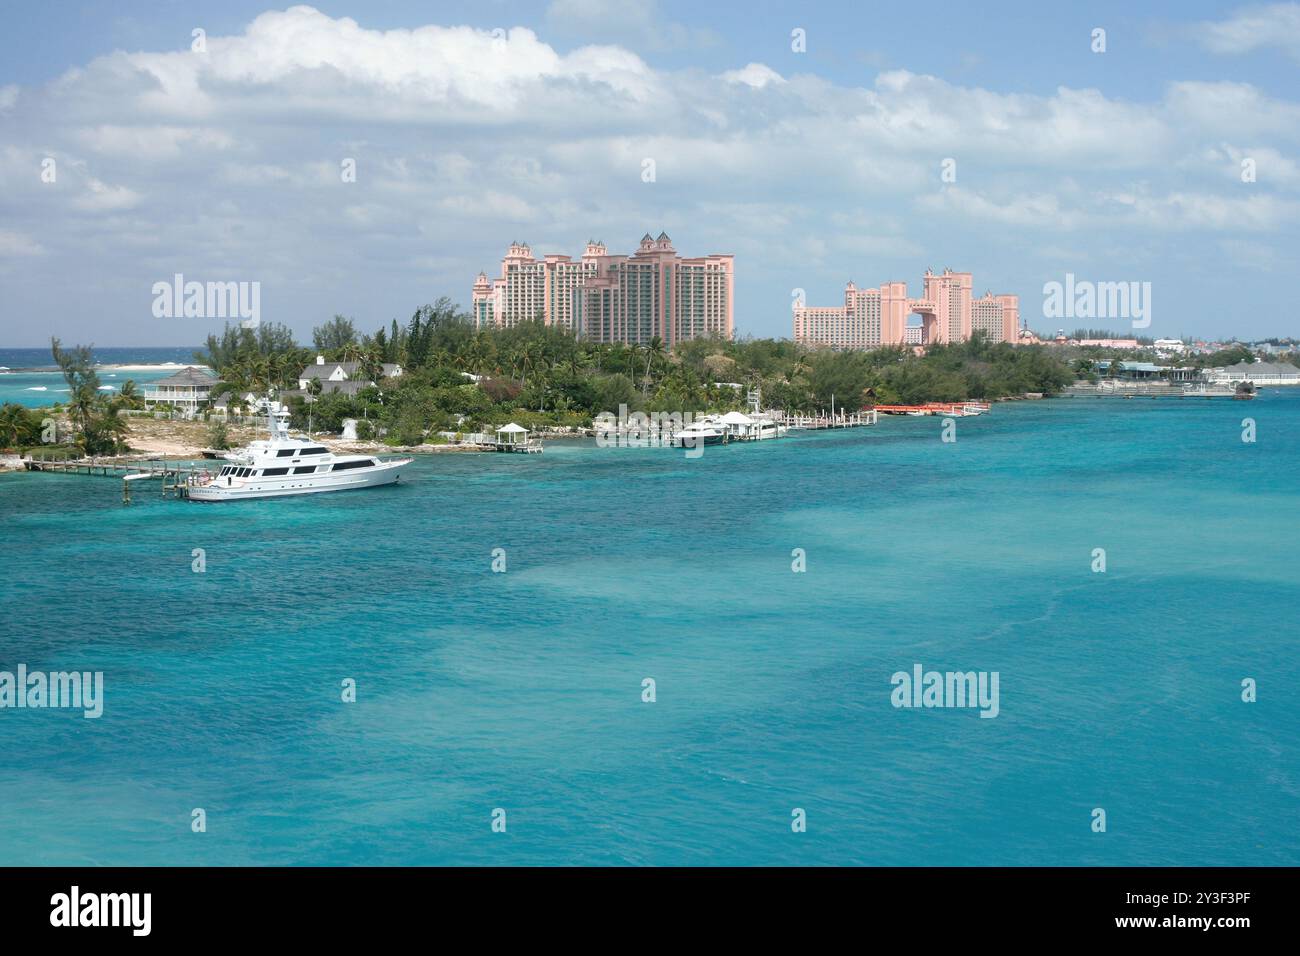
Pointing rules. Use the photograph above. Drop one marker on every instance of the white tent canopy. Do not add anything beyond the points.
(736, 418)
(511, 429)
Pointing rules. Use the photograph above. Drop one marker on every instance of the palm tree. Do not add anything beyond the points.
(14, 424)
(114, 431)
(353, 351)
(277, 368)
(81, 404)
(370, 366)
(510, 358)
(259, 373)
(313, 389)
(652, 351)
(129, 396)
(480, 352)
(534, 359)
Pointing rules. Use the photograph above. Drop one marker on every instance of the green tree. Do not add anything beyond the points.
(129, 396)
(17, 426)
(334, 336)
(313, 391)
(218, 435)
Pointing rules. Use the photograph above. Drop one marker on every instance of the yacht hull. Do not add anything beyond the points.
(385, 473)
(696, 441)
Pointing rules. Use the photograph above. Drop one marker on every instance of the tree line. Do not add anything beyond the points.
(460, 377)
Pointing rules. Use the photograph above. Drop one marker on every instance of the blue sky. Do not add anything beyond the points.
(812, 168)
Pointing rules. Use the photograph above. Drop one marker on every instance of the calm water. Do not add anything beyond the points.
(28, 376)
(523, 690)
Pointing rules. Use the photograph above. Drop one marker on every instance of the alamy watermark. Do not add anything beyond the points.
(208, 300)
(75, 908)
(1083, 299)
(78, 690)
(922, 688)
(652, 430)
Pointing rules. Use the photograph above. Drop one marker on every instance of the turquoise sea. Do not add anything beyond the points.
(523, 690)
(29, 376)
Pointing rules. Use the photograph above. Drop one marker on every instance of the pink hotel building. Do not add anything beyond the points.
(630, 299)
(871, 318)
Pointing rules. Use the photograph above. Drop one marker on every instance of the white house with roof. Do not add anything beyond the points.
(249, 401)
(341, 376)
(189, 391)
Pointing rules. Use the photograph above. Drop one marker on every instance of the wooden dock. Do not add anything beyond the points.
(531, 446)
(795, 420)
(172, 477)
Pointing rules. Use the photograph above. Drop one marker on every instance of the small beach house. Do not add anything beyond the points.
(189, 391)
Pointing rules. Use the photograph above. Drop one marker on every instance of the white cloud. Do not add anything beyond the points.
(258, 174)
(1253, 212)
(101, 197)
(1133, 209)
(14, 245)
(1250, 254)
(1034, 211)
(230, 160)
(757, 75)
(302, 60)
(1253, 28)
(494, 205)
(152, 142)
(625, 21)
(1229, 109)
(1271, 168)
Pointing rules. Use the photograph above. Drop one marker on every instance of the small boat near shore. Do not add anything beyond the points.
(290, 465)
(697, 434)
(723, 429)
(754, 427)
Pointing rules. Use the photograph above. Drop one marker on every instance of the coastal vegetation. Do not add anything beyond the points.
(20, 427)
(218, 436)
(460, 378)
(88, 423)
(1087, 362)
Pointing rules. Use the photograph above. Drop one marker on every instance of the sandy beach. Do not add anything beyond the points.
(181, 439)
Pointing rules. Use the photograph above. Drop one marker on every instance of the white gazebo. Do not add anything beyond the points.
(739, 425)
(514, 437)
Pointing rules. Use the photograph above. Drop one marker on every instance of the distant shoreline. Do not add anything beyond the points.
(106, 367)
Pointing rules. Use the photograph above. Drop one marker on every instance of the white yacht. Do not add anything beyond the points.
(766, 428)
(708, 430)
(754, 427)
(290, 465)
